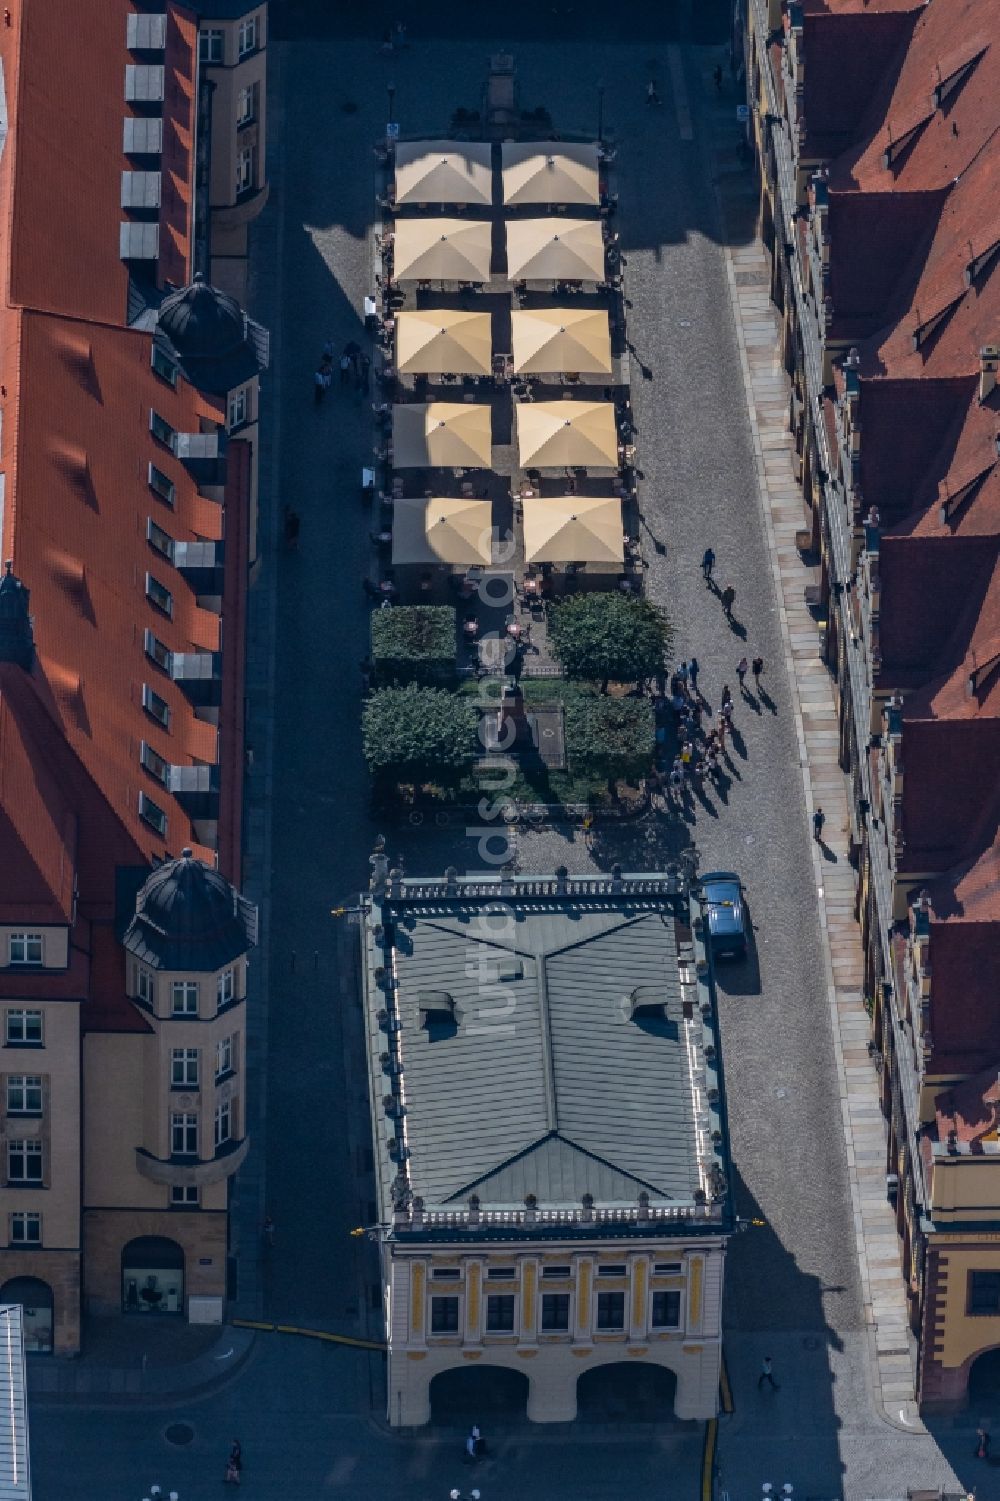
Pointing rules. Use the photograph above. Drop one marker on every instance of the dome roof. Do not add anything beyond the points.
(16, 638)
(188, 917)
(201, 322)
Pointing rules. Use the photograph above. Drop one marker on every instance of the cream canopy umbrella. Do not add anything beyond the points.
(437, 341)
(550, 172)
(573, 529)
(555, 434)
(555, 249)
(442, 249)
(441, 434)
(442, 529)
(548, 340)
(443, 172)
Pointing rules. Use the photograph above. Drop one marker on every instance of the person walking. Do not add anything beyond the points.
(982, 1442)
(234, 1464)
(319, 386)
(767, 1374)
(652, 95)
(727, 704)
(267, 1230)
(291, 528)
(819, 819)
(345, 369)
(682, 673)
(717, 77)
(362, 366)
(757, 668)
(707, 564)
(728, 598)
(693, 671)
(742, 668)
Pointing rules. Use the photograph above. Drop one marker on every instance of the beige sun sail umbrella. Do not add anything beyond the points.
(555, 249)
(443, 341)
(573, 529)
(442, 249)
(442, 529)
(549, 340)
(443, 172)
(441, 434)
(556, 434)
(550, 172)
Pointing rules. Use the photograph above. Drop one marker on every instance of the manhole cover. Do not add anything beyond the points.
(179, 1433)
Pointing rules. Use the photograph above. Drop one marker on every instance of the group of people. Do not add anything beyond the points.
(353, 365)
(701, 744)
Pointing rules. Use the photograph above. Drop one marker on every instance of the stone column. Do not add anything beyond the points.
(638, 1299)
(529, 1303)
(474, 1313)
(582, 1312)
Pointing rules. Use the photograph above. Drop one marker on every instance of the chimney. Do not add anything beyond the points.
(989, 362)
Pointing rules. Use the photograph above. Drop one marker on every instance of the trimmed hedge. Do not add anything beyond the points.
(416, 734)
(414, 644)
(611, 637)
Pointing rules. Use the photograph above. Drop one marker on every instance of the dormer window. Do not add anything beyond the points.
(24, 948)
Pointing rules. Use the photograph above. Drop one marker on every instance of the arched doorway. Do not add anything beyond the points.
(35, 1297)
(984, 1381)
(626, 1392)
(474, 1393)
(152, 1275)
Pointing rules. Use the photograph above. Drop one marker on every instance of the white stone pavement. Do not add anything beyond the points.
(758, 328)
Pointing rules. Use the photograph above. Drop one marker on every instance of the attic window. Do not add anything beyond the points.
(557, 1271)
(979, 263)
(667, 1268)
(898, 144)
(612, 1269)
(446, 1273)
(152, 814)
(437, 1008)
(510, 969)
(645, 1003)
(930, 325)
(953, 76)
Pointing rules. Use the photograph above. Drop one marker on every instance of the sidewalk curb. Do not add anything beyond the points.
(59, 1382)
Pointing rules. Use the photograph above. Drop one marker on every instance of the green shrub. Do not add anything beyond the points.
(609, 637)
(418, 734)
(610, 737)
(414, 644)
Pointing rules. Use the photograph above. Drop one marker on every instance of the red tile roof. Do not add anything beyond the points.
(971, 1109)
(849, 46)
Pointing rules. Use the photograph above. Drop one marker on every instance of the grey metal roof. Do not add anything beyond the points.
(544, 1085)
(188, 917)
(15, 1473)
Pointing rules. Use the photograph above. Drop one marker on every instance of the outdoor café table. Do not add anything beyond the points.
(471, 627)
(514, 630)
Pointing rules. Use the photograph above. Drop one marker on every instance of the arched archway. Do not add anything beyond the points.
(152, 1275)
(984, 1380)
(626, 1391)
(35, 1298)
(474, 1393)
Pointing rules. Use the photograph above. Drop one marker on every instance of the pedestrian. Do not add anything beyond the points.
(717, 77)
(767, 1374)
(291, 528)
(819, 819)
(652, 95)
(362, 367)
(721, 726)
(757, 668)
(400, 34)
(687, 755)
(676, 783)
(328, 351)
(727, 702)
(742, 668)
(319, 386)
(345, 369)
(268, 1230)
(693, 671)
(982, 1442)
(234, 1464)
(728, 598)
(707, 564)
(682, 673)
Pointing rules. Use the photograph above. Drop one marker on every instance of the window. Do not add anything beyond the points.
(210, 46)
(223, 1057)
(501, 1273)
(248, 36)
(245, 162)
(160, 428)
(25, 948)
(161, 484)
(225, 987)
(145, 987)
(666, 1310)
(223, 1122)
(163, 366)
(153, 814)
(155, 705)
(24, 1094)
(446, 1273)
(612, 1269)
(24, 1161)
(184, 1194)
(154, 763)
(556, 1271)
(184, 998)
(159, 595)
(667, 1268)
(184, 1135)
(156, 651)
(610, 1310)
(238, 408)
(184, 1068)
(555, 1311)
(246, 105)
(500, 1313)
(444, 1315)
(25, 1229)
(24, 1028)
(984, 1293)
(159, 540)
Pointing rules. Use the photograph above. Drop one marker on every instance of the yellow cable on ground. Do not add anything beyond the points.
(324, 1334)
(708, 1459)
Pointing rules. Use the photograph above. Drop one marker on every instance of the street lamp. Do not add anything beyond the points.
(390, 90)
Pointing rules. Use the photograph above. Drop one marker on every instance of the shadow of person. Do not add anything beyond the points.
(753, 702)
(739, 744)
(829, 855)
(737, 627)
(767, 700)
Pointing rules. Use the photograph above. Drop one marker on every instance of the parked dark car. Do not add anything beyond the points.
(726, 914)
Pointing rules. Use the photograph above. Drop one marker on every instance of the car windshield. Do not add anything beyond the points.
(723, 894)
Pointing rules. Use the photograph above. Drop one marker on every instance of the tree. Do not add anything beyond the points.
(612, 737)
(416, 734)
(414, 644)
(605, 637)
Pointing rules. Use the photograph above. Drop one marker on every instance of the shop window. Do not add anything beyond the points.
(152, 1276)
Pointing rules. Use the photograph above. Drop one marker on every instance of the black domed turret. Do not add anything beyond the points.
(188, 917)
(207, 334)
(17, 643)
